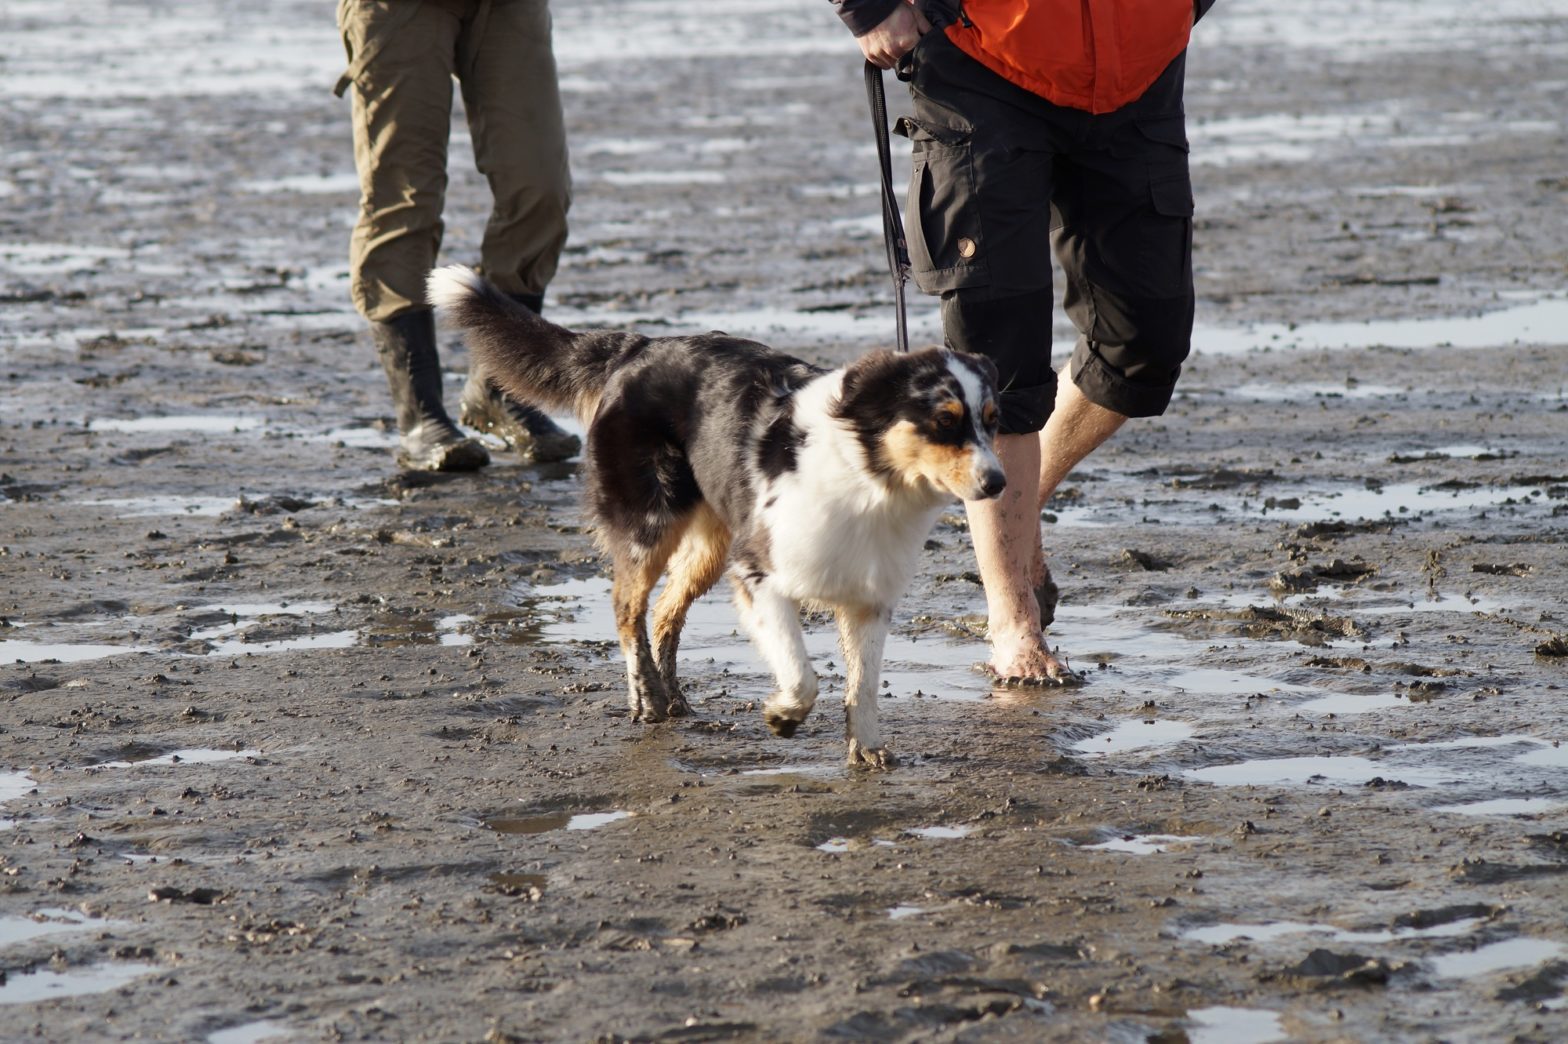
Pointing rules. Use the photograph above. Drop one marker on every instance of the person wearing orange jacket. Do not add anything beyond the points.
(1044, 126)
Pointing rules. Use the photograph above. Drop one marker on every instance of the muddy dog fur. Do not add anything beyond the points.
(815, 488)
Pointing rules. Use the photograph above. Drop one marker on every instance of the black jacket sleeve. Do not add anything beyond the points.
(1200, 8)
(862, 16)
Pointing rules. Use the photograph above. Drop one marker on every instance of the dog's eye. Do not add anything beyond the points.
(947, 421)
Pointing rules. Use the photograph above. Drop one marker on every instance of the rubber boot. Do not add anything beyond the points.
(427, 438)
(526, 429)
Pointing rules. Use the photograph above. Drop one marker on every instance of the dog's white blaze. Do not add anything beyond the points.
(984, 456)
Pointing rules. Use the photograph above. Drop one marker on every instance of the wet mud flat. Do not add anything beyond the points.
(295, 747)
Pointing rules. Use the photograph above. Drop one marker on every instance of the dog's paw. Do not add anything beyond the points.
(878, 758)
(649, 706)
(678, 707)
(781, 724)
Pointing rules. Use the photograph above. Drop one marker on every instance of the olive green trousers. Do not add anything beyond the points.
(403, 56)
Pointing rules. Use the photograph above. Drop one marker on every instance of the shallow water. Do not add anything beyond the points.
(24, 987)
(1496, 957)
(553, 821)
(1142, 844)
(187, 756)
(1223, 1025)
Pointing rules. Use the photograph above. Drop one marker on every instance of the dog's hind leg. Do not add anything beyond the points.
(774, 624)
(862, 633)
(637, 569)
(697, 564)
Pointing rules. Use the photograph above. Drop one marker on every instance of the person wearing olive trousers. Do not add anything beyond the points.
(403, 56)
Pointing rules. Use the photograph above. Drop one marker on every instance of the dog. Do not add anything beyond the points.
(814, 487)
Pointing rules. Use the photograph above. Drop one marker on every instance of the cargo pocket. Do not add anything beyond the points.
(947, 247)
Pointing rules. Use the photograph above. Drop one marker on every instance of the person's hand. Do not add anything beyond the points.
(895, 37)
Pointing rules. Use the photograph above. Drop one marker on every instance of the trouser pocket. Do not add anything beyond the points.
(947, 247)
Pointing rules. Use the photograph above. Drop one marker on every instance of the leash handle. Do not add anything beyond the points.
(892, 221)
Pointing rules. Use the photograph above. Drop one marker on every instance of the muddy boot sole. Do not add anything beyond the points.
(492, 414)
(441, 449)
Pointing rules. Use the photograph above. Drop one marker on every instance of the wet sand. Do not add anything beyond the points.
(293, 746)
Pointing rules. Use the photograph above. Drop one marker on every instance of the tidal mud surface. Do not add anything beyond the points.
(293, 746)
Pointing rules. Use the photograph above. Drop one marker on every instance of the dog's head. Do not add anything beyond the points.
(926, 417)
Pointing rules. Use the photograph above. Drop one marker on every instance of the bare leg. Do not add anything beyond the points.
(862, 632)
(1006, 530)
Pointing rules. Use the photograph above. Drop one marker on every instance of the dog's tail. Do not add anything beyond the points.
(527, 357)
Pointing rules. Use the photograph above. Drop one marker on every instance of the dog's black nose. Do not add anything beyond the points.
(993, 483)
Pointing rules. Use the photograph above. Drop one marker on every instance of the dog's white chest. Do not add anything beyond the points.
(830, 548)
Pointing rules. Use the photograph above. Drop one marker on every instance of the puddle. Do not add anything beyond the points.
(12, 651)
(834, 846)
(149, 507)
(1531, 320)
(14, 785)
(210, 424)
(331, 640)
(774, 324)
(1220, 1025)
(1404, 499)
(1512, 953)
(250, 1033)
(904, 912)
(825, 769)
(940, 832)
(1505, 807)
(1301, 392)
(554, 821)
(360, 438)
(928, 665)
(1350, 703)
(1553, 756)
(1141, 844)
(1320, 771)
(191, 756)
(1220, 934)
(247, 614)
(15, 929)
(1232, 683)
(1135, 735)
(26, 987)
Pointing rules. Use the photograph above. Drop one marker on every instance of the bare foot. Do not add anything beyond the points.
(870, 757)
(1025, 659)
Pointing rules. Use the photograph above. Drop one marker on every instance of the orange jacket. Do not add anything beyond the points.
(1096, 55)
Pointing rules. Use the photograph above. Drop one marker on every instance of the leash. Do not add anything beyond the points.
(892, 222)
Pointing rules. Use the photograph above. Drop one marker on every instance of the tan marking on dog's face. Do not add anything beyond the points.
(989, 414)
(912, 456)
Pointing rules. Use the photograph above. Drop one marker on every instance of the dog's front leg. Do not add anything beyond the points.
(774, 624)
(862, 633)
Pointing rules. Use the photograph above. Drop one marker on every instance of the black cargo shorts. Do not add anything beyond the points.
(1003, 178)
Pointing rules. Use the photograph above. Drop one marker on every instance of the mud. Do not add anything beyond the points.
(293, 746)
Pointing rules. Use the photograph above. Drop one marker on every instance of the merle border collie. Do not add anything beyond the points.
(815, 487)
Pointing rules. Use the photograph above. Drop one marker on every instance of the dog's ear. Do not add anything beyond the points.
(873, 376)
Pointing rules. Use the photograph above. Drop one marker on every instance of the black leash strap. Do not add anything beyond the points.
(892, 222)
